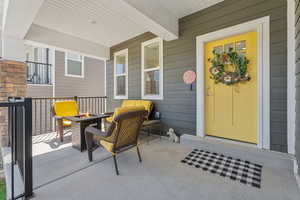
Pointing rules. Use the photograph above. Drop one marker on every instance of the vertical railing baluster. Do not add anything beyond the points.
(97, 105)
(27, 140)
(45, 104)
(92, 105)
(88, 104)
(100, 105)
(35, 111)
(50, 115)
(12, 154)
(40, 117)
(85, 107)
(93, 100)
(80, 105)
(55, 127)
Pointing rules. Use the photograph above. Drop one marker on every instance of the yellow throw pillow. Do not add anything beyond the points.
(148, 105)
(122, 110)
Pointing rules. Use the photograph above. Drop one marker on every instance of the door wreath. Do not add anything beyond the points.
(221, 64)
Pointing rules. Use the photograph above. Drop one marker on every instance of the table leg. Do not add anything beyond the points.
(99, 124)
(60, 129)
(160, 130)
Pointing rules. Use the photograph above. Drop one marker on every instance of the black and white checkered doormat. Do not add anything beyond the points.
(226, 166)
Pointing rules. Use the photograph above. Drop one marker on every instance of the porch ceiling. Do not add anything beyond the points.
(108, 23)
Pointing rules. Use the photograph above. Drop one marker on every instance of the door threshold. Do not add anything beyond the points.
(228, 141)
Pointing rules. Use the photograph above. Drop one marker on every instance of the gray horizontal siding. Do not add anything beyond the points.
(39, 91)
(297, 138)
(93, 83)
(179, 105)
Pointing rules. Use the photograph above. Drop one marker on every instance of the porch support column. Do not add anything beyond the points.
(12, 83)
(13, 48)
(13, 75)
(18, 16)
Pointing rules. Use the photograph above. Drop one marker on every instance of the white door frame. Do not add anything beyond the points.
(262, 26)
(291, 78)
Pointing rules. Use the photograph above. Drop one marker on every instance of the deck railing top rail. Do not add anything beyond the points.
(73, 97)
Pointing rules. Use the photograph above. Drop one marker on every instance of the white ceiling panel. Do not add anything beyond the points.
(182, 8)
(74, 17)
(94, 21)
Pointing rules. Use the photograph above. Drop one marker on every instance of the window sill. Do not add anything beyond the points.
(120, 97)
(36, 84)
(73, 76)
(152, 97)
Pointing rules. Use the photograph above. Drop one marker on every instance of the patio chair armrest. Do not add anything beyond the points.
(109, 113)
(150, 123)
(95, 132)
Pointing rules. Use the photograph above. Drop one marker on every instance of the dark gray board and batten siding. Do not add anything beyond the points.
(178, 107)
(297, 34)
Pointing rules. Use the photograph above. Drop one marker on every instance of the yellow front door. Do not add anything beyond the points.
(231, 111)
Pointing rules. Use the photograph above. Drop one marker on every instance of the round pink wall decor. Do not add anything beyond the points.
(189, 77)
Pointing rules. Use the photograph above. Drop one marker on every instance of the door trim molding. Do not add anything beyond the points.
(291, 78)
(262, 27)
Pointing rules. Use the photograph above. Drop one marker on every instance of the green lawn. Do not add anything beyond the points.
(2, 190)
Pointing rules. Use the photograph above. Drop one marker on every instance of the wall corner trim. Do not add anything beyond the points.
(296, 173)
(291, 79)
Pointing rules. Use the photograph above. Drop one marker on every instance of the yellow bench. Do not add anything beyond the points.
(131, 105)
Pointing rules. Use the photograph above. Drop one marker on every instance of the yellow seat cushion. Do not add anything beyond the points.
(67, 122)
(65, 108)
(109, 119)
(107, 145)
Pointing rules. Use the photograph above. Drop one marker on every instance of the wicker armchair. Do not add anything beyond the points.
(122, 134)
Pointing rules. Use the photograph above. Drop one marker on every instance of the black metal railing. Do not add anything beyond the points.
(43, 120)
(39, 73)
(20, 143)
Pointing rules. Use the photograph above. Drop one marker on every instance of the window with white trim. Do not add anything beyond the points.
(121, 74)
(152, 69)
(74, 66)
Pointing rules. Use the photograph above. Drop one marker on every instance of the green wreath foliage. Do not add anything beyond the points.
(222, 61)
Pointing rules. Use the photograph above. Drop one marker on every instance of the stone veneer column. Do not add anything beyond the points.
(12, 83)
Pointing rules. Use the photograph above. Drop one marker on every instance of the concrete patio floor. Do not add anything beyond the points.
(61, 172)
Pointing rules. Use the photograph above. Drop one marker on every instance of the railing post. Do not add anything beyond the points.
(28, 149)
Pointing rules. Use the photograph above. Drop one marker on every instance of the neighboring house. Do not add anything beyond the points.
(63, 74)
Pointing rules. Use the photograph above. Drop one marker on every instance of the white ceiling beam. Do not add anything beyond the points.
(147, 14)
(18, 16)
(38, 35)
